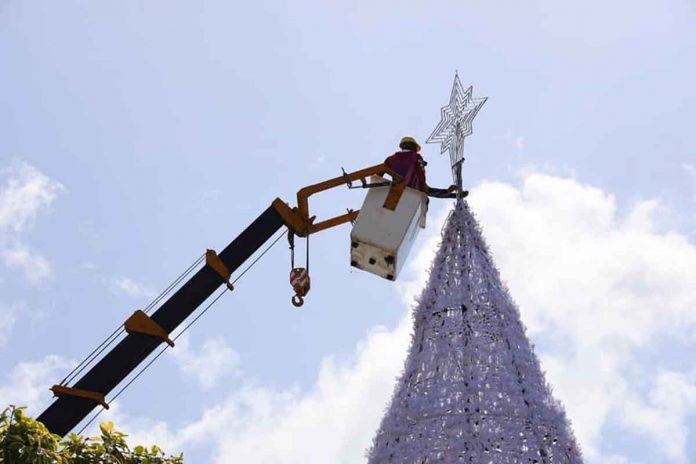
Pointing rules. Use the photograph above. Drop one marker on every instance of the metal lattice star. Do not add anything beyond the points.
(455, 125)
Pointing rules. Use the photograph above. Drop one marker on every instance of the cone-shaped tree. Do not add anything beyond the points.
(472, 390)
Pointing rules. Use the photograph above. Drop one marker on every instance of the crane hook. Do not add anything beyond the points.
(299, 276)
(299, 279)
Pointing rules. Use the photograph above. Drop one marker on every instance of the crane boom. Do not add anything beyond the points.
(68, 411)
(146, 333)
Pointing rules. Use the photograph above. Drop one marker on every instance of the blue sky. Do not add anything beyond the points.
(136, 134)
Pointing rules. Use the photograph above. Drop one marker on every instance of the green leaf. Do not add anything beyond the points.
(24, 440)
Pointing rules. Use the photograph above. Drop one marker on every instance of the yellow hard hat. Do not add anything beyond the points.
(405, 141)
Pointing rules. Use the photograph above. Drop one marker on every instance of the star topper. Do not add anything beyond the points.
(455, 125)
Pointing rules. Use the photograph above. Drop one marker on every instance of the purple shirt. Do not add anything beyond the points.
(408, 164)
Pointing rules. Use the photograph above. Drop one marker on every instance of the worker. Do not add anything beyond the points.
(409, 164)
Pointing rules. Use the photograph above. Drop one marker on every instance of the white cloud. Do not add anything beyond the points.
(26, 193)
(671, 400)
(121, 285)
(214, 361)
(29, 382)
(35, 267)
(596, 286)
(333, 422)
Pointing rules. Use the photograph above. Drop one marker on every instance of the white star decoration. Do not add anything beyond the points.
(455, 125)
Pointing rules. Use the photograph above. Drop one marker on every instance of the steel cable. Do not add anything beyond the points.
(119, 330)
(186, 327)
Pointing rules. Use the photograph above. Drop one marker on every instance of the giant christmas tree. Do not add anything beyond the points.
(472, 390)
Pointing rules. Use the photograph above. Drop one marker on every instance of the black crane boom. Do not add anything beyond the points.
(68, 411)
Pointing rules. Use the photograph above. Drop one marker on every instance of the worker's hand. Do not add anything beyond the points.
(452, 188)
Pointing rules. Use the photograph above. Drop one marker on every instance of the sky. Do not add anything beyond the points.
(134, 135)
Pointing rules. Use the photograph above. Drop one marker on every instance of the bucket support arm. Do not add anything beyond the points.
(302, 224)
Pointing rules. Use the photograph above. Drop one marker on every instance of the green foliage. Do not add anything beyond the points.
(24, 440)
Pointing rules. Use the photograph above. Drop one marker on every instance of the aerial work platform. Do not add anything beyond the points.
(381, 239)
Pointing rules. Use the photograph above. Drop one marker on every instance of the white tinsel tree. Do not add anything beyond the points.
(472, 390)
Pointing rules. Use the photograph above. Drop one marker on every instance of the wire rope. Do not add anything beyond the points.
(174, 284)
(119, 330)
(186, 327)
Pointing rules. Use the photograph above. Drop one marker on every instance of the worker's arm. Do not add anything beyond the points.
(450, 192)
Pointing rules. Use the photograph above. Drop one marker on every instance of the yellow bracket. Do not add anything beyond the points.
(60, 390)
(141, 323)
(213, 260)
(302, 224)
